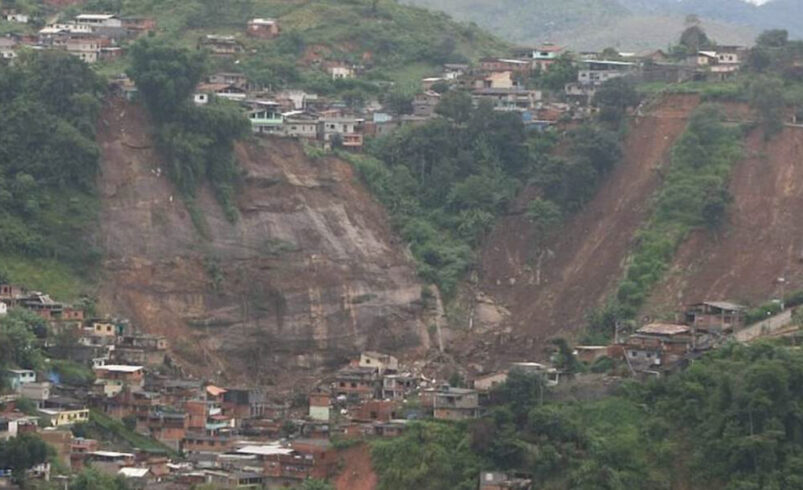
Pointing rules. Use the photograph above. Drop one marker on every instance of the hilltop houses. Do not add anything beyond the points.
(263, 28)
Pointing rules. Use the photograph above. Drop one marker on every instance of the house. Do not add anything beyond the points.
(9, 291)
(356, 382)
(658, 344)
(61, 417)
(198, 442)
(543, 56)
(18, 377)
(14, 16)
(397, 386)
(590, 353)
(222, 90)
(455, 403)
(140, 349)
(266, 118)
(110, 462)
(487, 382)
(168, 427)
(235, 479)
(348, 129)
(98, 20)
(38, 393)
(507, 99)
(376, 410)
(424, 103)
(42, 305)
(597, 72)
(494, 480)
(497, 79)
(239, 80)
(221, 45)
(319, 406)
(720, 316)
(15, 423)
(262, 28)
(382, 362)
(453, 71)
(667, 72)
(114, 377)
(139, 24)
(339, 71)
(300, 124)
(104, 328)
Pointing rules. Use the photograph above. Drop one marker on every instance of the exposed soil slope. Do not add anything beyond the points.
(357, 472)
(587, 254)
(310, 273)
(763, 240)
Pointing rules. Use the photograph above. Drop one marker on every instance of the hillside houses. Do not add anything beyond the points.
(263, 28)
(92, 37)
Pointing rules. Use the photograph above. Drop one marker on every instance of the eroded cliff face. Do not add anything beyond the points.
(310, 274)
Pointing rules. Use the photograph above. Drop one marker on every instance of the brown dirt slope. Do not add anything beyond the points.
(357, 472)
(762, 241)
(587, 254)
(310, 274)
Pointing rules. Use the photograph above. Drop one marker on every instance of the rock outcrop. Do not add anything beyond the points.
(310, 274)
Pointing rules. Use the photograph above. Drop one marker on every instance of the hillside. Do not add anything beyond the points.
(393, 42)
(587, 255)
(310, 274)
(762, 241)
(626, 24)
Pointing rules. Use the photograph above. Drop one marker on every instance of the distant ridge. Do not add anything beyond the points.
(627, 24)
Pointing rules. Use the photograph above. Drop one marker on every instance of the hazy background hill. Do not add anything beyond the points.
(626, 24)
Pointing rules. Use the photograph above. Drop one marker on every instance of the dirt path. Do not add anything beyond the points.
(357, 473)
(588, 253)
(763, 240)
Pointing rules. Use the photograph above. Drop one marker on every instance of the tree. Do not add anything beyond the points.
(455, 105)
(693, 39)
(427, 456)
(773, 38)
(20, 345)
(21, 453)
(767, 97)
(165, 75)
(614, 97)
(399, 102)
(92, 479)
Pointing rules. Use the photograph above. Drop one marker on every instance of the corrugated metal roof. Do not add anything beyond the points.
(663, 329)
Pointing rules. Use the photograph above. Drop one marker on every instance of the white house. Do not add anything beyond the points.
(99, 20)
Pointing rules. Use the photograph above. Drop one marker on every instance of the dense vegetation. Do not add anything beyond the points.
(446, 181)
(731, 421)
(48, 161)
(197, 142)
(22, 453)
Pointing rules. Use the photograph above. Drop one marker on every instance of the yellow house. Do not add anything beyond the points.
(104, 329)
(58, 418)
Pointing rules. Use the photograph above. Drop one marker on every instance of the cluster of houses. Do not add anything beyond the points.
(90, 37)
(231, 436)
(247, 437)
(659, 347)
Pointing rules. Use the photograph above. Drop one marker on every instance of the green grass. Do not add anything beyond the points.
(117, 430)
(48, 275)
